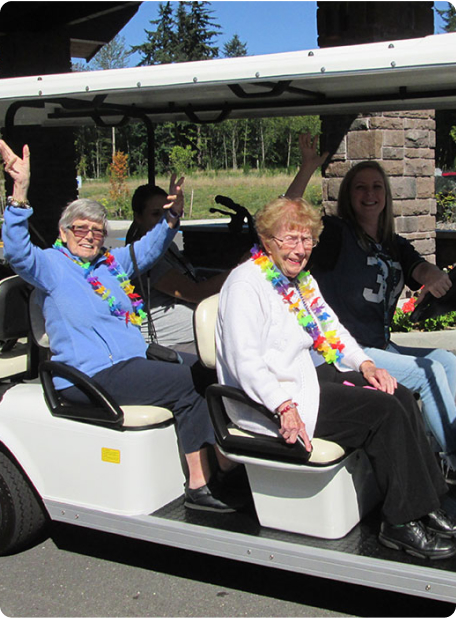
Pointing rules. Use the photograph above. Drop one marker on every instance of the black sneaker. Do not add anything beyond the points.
(416, 540)
(203, 499)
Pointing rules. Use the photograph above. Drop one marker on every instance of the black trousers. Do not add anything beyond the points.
(391, 431)
(178, 387)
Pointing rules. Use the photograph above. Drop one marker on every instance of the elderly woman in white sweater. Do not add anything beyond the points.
(283, 345)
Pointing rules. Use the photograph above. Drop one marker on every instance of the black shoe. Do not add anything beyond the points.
(203, 499)
(440, 523)
(414, 539)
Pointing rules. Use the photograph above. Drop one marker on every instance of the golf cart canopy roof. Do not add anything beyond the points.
(406, 74)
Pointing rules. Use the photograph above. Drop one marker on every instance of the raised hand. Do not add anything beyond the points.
(176, 196)
(18, 169)
(308, 146)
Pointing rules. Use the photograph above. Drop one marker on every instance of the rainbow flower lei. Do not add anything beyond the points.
(325, 341)
(137, 315)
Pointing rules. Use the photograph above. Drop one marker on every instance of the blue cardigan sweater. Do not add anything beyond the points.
(82, 331)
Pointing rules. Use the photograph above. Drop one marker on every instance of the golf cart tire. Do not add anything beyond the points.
(22, 515)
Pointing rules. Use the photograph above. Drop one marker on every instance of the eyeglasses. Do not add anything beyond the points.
(291, 242)
(81, 231)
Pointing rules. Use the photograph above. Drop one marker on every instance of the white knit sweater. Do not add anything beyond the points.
(262, 350)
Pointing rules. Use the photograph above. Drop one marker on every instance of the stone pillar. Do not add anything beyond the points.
(53, 166)
(403, 142)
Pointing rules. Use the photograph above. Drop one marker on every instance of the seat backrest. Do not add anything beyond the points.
(204, 320)
(37, 323)
(14, 316)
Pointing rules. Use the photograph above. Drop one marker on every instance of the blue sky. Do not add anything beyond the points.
(266, 27)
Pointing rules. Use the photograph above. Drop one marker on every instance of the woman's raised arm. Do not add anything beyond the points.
(18, 169)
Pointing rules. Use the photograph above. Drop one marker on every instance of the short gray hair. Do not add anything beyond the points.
(84, 209)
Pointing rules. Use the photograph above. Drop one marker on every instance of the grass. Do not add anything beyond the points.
(251, 190)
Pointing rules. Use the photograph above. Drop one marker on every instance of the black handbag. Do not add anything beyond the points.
(155, 351)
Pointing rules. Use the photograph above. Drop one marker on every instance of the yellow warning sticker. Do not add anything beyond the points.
(110, 455)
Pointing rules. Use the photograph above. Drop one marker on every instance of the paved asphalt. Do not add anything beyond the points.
(80, 572)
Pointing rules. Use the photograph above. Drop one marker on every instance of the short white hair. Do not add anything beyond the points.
(84, 209)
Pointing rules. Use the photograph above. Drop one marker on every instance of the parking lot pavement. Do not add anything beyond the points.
(80, 572)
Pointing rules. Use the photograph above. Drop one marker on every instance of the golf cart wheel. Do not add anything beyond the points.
(22, 515)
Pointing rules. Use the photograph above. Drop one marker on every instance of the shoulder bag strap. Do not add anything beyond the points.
(150, 324)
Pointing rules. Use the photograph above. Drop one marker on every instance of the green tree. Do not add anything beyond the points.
(180, 35)
(113, 55)
(160, 45)
(234, 48)
(449, 17)
(181, 159)
(196, 30)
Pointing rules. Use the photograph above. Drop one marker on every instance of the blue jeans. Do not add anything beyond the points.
(431, 373)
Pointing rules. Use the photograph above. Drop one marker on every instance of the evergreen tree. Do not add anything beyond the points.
(161, 43)
(234, 48)
(182, 35)
(196, 31)
(449, 17)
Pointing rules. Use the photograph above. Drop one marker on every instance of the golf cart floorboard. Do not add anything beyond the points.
(347, 559)
(358, 558)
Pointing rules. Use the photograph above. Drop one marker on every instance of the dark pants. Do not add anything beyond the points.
(391, 431)
(179, 387)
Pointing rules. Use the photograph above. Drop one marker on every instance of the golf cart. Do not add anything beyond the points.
(119, 469)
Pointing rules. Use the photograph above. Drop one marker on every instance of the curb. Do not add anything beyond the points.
(445, 339)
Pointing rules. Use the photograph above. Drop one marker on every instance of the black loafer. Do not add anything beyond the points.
(203, 499)
(416, 540)
(440, 523)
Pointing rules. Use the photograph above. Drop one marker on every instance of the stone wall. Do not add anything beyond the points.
(403, 143)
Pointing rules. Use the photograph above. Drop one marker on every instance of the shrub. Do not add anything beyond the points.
(446, 207)
(402, 323)
(118, 190)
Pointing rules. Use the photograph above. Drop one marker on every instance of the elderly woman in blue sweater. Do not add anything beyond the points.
(93, 317)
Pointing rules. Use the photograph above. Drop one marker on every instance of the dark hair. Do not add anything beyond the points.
(144, 193)
(345, 208)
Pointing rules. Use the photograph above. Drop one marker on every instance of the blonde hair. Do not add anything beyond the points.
(295, 213)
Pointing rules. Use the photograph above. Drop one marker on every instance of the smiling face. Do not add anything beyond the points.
(290, 260)
(83, 245)
(368, 195)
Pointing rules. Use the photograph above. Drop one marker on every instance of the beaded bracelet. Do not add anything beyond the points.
(173, 215)
(288, 407)
(10, 201)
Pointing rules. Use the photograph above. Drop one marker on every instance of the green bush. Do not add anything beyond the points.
(446, 207)
(402, 323)
(181, 159)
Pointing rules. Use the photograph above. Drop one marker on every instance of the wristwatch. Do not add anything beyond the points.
(10, 201)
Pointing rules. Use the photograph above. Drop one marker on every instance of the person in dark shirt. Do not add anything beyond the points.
(361, 266)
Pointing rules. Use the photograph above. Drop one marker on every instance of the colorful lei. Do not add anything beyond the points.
(137, 315)
(325, 341)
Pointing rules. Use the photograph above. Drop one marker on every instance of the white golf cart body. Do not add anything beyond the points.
(128, 478)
